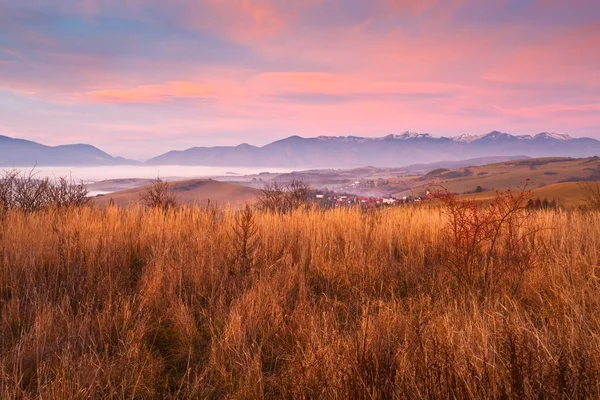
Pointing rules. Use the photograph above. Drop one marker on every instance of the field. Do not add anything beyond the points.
(108, 302)
(567, 194)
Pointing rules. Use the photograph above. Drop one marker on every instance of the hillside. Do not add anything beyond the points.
(339, 179)
(567, 194)
(191, 192)
(541, 172)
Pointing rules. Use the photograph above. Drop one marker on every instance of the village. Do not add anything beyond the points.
(336, 200)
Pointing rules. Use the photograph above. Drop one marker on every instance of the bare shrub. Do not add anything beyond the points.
(25, 191)
(159, 194)
(7, 189)
(283, 198)
(488, 245)
(297, 193)
(30, 192)
(272, 197)
(65, 193)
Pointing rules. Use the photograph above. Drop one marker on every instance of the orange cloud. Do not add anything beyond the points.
(169, 92)
(19, 88)
(344, 84)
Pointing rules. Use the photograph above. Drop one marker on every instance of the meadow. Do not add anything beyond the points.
(405, 302)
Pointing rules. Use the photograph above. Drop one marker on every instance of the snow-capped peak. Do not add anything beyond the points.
(555, 136)
(496, 135)
(342, 138)
(408, 135)
(467, 138)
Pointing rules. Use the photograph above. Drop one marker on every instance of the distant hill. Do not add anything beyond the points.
(388, 151)
(320, 178)
(536, 172)
(191, 192)
(25, 153)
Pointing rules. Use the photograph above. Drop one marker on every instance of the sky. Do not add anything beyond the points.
(140, 77)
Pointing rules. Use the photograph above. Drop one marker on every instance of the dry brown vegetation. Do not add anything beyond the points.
(25, 191)
(206, 303)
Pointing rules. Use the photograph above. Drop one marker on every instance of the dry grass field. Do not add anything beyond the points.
(412, 303)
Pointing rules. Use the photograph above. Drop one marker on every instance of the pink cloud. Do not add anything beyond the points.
(169, 92)
(20, 88)
(242, 20)
(10, 52)
(438, 8)
(570, 58)
(274, 83)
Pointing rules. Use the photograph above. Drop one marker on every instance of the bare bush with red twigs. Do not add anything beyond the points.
(490, 246)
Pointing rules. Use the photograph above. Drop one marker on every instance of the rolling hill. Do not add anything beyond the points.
(190, 192)
(551, 178)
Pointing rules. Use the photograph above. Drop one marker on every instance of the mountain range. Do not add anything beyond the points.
(319, 152)
(388, 151)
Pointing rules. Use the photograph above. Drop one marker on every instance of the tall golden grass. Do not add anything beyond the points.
(203, 303)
